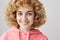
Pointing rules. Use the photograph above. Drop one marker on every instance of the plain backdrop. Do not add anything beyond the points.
(52, 26)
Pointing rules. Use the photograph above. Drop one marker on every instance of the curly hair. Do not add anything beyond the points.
(13, 5)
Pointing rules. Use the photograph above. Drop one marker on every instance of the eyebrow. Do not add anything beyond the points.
(18, 11)
(27, 11)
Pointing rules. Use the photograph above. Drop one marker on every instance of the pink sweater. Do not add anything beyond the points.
(16, 34)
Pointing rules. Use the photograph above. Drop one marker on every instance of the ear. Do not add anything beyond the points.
(37, 18)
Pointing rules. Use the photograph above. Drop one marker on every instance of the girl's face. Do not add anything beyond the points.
(25, 17)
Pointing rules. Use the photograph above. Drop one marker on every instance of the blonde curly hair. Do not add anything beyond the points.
(13, 5)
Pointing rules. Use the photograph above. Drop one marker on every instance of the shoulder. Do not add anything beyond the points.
(11, 30)
(41, 35)
(9, 33)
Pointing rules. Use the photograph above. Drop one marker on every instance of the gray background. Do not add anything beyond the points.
(52, 26)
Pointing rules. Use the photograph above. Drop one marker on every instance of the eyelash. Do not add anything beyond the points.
(27, 14)
(19, 13)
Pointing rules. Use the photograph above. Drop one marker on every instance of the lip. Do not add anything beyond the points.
(25, 23)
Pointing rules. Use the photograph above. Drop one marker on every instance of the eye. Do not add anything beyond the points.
(30, 13)
(19, 13)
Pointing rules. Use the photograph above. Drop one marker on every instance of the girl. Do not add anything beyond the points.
(24, 16)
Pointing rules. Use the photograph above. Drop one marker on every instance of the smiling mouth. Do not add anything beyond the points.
(25, 23)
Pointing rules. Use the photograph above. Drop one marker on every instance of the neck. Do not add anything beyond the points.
(26, 29)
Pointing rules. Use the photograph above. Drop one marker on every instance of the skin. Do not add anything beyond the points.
(25, 17)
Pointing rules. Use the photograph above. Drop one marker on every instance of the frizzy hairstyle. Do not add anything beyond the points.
(13, 5)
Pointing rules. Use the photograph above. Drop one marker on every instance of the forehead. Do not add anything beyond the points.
(25, 8)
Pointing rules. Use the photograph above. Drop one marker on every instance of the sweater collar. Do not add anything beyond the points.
(33, 31)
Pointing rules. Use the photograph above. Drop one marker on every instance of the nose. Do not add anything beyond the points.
(24, 18)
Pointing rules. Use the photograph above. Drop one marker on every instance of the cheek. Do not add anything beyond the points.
(18, 18)
(31, 19)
